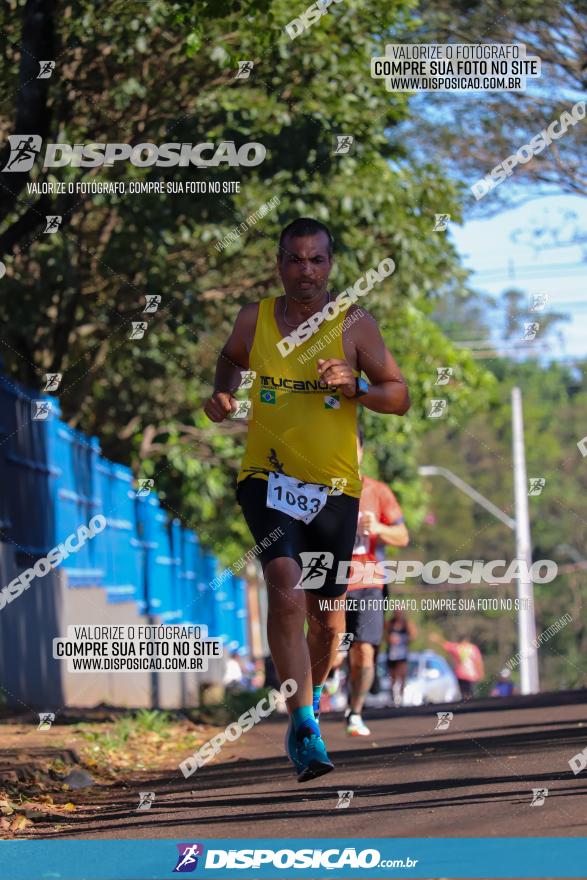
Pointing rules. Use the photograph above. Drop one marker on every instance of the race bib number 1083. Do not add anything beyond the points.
(301, 501)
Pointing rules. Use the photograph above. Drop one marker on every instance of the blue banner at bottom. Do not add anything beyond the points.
(491, 858)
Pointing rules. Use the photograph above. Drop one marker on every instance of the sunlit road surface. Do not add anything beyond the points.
(408, 779)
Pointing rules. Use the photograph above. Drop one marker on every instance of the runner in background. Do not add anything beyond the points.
(469, 667)
(380, 522)
(399, 632)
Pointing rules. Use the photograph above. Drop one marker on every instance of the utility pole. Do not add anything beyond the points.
(526, 618)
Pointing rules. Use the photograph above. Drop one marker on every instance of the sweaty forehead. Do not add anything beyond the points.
(306, 245)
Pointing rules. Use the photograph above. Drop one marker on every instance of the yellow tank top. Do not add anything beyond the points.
(296, 424)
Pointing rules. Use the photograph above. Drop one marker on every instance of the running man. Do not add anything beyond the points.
(301, 443)
(380, 522)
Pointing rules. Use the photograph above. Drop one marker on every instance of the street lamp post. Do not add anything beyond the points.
(521, 526)
(526, 618)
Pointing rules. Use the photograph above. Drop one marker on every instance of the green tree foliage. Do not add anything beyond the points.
(166, 72)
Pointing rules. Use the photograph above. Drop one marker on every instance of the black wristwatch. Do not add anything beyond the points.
(362, 386)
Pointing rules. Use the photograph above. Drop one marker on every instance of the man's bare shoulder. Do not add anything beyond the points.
(358, 322)
(246, 320)
(356, 311)
(248, 313)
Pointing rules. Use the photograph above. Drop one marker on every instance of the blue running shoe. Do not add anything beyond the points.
(312, 760)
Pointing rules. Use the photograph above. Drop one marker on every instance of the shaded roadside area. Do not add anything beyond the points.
(51, 772)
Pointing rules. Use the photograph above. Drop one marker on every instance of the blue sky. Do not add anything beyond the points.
(489, 248)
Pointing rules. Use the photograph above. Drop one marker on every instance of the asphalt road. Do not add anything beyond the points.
(474, 779)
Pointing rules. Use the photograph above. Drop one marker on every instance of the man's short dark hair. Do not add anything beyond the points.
(301, 227)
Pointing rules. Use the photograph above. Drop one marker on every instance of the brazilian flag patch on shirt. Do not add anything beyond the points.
(267, 396)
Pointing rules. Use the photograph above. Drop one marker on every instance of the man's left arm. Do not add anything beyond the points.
(388, 390)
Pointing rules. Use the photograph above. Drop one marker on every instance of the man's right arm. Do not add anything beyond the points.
(233, 359)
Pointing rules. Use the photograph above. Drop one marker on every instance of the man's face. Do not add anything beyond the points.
(305, 266)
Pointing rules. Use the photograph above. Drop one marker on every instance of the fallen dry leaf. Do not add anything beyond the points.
(19, 823)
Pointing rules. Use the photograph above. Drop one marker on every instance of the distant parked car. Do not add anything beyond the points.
(430, 680)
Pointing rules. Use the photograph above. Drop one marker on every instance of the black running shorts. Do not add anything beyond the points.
(331, 531)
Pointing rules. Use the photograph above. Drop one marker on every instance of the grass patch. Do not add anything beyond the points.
(123, 729)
